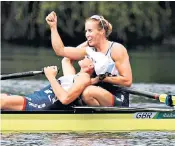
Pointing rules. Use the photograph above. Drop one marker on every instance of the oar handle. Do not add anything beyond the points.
(164, 98)
(22, 74)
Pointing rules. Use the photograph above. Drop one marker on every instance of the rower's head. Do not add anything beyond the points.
(97, 28)
(86, 65)
(95, 62)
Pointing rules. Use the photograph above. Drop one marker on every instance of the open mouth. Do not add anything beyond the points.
(89, 41)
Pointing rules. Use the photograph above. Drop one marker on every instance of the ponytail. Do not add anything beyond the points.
(108, 28)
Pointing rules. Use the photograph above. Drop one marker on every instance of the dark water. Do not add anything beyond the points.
(153, 64)
(152, 71)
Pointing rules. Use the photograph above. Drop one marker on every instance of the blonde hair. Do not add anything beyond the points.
(109, 28)
(103, 24)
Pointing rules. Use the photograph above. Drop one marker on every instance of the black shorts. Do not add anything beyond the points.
(121, 98)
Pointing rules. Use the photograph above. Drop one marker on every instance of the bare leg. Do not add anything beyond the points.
(11, 102)
(97, 96)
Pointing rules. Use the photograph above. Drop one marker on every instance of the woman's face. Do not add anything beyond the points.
(93, 33)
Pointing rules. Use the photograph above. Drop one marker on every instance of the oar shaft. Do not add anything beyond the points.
(141, 93)
(22, 74)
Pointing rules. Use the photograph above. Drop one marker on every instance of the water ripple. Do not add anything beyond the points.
(91, 139)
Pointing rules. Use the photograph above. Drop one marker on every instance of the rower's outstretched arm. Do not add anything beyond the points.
(74, 53)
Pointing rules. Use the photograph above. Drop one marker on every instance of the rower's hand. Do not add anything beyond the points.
(94, 80)
(52, 19)
(50, 71)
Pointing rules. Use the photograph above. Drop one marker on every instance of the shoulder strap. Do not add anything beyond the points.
(109, 48)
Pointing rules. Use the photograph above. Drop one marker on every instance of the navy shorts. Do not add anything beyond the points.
(39, 100)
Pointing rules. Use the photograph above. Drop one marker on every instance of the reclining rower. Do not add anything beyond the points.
(66, 89)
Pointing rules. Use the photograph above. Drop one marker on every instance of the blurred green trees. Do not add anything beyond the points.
(132, 20)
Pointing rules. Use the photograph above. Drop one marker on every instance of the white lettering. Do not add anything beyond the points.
(42, 105)
(49, 98)
(169, 115)
(37, 105)
(122, 98)
(48, 91)
(54, 99)
(28, 98)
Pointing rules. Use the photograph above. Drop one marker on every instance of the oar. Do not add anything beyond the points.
(21, 74)
(164, 98)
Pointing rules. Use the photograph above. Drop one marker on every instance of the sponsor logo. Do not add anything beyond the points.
(120, 99)
(48, 91)
(168, 115)
(144, 115)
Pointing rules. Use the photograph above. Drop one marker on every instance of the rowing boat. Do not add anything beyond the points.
(89, 119)
(92, 119)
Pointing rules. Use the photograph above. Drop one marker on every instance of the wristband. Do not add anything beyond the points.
(101, 77)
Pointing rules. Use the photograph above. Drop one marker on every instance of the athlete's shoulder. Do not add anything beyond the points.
(118, 50)
(118, 46)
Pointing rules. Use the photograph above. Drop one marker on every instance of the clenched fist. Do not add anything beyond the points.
(52, 19)
(50, 71)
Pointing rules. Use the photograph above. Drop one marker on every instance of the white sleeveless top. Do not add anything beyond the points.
(111, 68)
(66, 81)
(98, 59)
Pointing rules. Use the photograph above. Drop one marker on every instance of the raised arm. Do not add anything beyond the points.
(66, 97)
(74, 53)
(67, 67)
(121, 58)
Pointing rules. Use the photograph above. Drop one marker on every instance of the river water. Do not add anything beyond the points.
(150, 74)
(88, 139)
(153, 65)
(147, 138)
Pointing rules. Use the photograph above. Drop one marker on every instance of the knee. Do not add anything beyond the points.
(87, 93)
(3, 98)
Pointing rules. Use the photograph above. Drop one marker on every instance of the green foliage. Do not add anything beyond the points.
(142, 18)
